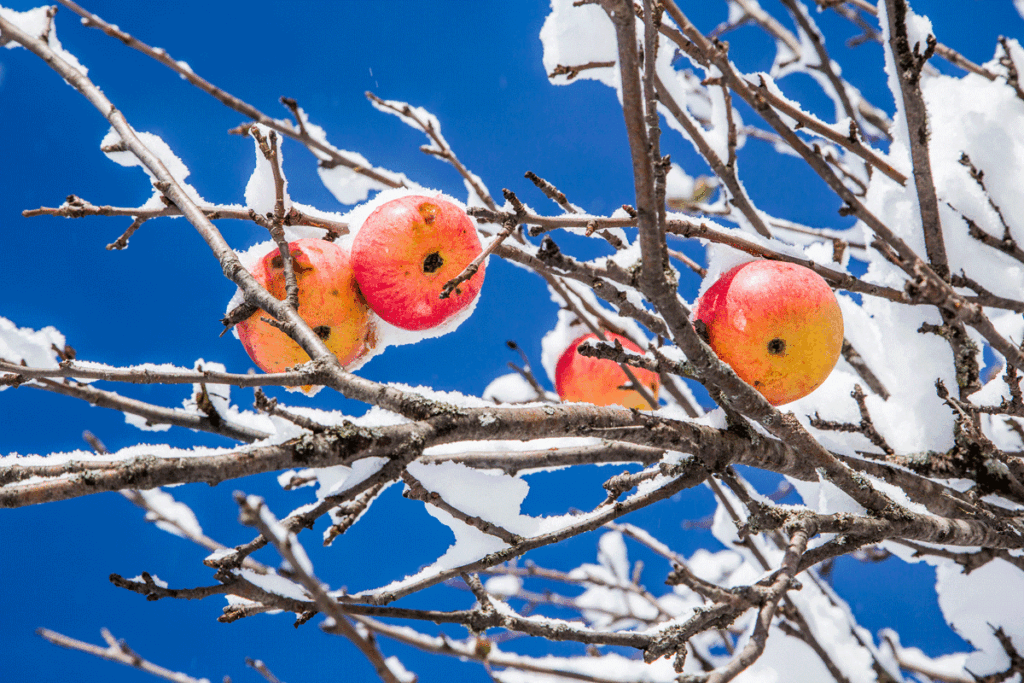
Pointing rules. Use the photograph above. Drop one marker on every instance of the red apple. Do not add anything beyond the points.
(406, 251)
(601, 381)
(777, 324)
(329, 302)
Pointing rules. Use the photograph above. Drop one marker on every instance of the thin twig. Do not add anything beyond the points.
(116, 651)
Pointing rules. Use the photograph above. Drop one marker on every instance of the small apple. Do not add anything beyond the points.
(329, 302)
(777, 324)
(405, 252)
(601, 381)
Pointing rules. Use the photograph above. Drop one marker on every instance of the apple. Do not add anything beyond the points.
(777, 324)
(405, 252)
(329, 302)
(601, 381)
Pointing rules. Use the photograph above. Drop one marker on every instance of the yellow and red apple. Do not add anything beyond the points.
(329, 302)
(601, 381)
(777, 324)
(405, 252)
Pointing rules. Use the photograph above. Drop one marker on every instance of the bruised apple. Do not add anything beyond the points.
(406, 251)
(777, 324)
(601, 381)
(329, 302)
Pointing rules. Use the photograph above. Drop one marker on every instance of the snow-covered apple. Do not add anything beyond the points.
(329, 302)
(405, 252)
(601, 381)
(777, 324)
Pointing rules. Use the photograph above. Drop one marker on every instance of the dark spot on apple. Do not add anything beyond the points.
(334, 292)
(757, 382)
(458, 291)
(322, 331)
(428, 211)
(432, 263)
(777, 347)
(300, 264)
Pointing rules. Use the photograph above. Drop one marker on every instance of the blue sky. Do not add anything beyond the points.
(477, 67)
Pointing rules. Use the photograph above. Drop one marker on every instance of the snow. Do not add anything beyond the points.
(140, 422)
(34, 22)
(33, 347)
(510, 388)
(503, 585)
(717, 134)
(155, 579)
(472, 197)
(361, 470)
(350, 187)
(403, 675)
(275, 583)
(138, 450)
(780, 653)
(609, 666)
(493, 497)
(975, 604)
(574, 36)
(611, 607)
(260, 191)
(498, 446)
(951, 665)
(919, 29)
(155, 144)
(678, 183)
(170, 515)
(832, 622)
(336, 480)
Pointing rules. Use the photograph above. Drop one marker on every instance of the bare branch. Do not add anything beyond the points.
(116, 651)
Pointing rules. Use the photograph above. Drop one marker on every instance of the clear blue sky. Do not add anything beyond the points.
(477, 67)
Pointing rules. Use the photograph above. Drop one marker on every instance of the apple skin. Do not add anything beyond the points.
(598, 380)
(777, 324)
(329, 302)
(405, 252)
